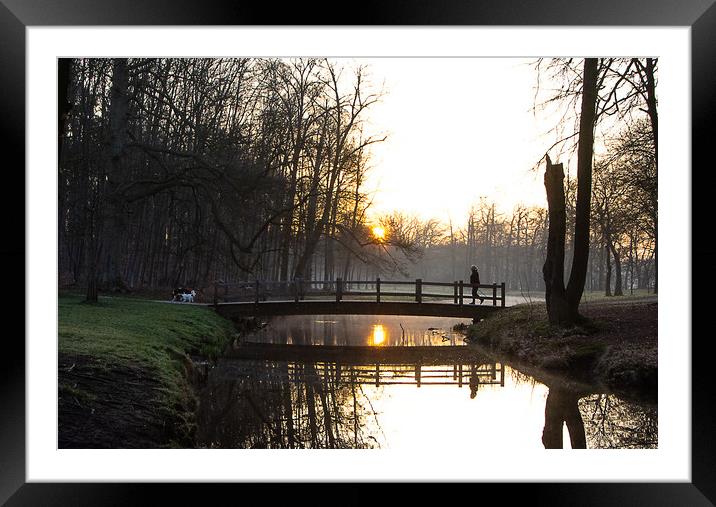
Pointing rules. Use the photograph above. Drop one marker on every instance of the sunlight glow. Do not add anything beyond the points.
(440, 173)
(378, 232)
(378, 336)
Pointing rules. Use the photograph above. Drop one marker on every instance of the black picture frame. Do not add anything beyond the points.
(16, 15)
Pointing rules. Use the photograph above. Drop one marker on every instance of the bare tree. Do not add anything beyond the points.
(186, 171)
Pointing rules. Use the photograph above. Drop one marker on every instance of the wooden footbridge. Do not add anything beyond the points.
(351, 297)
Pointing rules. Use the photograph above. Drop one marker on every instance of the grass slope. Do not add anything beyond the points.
(96, 341)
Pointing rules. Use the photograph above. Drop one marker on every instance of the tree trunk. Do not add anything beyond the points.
(114, 217)
(656, 264)
(618, 291)
(92, 295)
(64, 106)
(587, 118)
(651, 106)
(608, 263)
(553, 269)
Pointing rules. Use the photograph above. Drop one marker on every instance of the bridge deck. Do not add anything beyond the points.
(317, 307)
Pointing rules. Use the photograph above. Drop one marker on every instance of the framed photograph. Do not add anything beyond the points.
(343, 241)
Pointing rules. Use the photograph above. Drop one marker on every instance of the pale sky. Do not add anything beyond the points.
(458, 129)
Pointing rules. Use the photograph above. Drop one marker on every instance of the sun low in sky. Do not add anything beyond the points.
(378, 233)
(458, 129)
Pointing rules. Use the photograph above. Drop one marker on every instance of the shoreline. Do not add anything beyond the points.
(126, 378)
(616, 348)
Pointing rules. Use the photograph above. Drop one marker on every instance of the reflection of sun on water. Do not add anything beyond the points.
(378, 336)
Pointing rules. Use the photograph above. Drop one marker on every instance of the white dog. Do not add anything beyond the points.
(182, 295)
(188, 298)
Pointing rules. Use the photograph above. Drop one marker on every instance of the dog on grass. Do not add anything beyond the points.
(183, 295)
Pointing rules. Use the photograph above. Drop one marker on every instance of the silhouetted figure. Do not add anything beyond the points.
(474, 382)
(561, 408)
(475, 283)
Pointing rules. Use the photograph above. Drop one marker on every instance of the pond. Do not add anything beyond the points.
(464, 400)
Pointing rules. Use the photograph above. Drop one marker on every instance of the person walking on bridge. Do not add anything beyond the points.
(475, 283)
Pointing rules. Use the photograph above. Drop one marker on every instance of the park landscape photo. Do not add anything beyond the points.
(373, 253)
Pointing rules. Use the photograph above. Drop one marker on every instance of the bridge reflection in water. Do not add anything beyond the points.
(378, 374)
(269, 404)
(259, 403)
(398, 382)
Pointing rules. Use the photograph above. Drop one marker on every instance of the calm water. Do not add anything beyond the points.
(472, 403)
(376, 330)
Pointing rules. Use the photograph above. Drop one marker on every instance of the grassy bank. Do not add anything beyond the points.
(615, 347)
(124, 369)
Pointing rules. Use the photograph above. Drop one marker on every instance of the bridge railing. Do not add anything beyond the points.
(419, 290)
(378, 374)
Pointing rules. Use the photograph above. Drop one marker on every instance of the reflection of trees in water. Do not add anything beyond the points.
(519, 378)
(612, 423)
(275, 404)
(282, 407)
(358, 330)
(263, 404)
(561, 410)
(598, 421)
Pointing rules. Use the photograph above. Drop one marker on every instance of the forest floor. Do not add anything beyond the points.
(124, 372)
(616, 347)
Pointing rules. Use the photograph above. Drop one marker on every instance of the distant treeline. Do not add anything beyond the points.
(511, 247)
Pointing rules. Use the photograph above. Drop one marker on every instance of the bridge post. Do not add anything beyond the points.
(502, 291)
(256, 300)
(454, 291)
(377, 290)
(339, 289)
(462, 288)
(494, 294)
(419, 290)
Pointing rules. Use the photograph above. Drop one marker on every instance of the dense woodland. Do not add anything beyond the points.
(186, 171)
